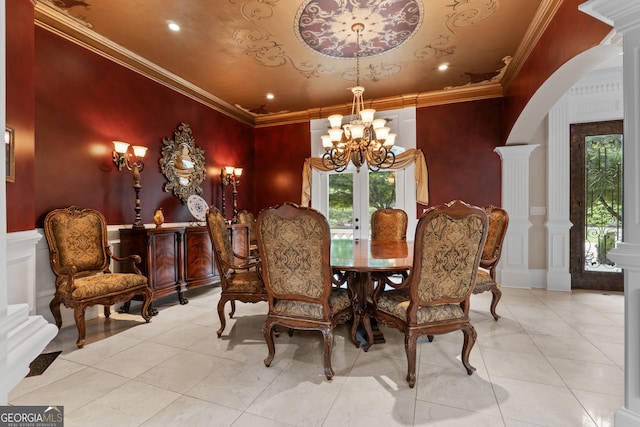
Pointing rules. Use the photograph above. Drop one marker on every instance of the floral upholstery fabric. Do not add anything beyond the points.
(338, 300)
(496, 224)
(244, 281)
(483, 277)
(220, 235)
(293, 251)
(389, 224)
(104, 284)
(79, 241)
(447, 245)
(396, 303)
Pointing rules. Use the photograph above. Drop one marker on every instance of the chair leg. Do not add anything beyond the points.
(470, 336)
(144, 311)
(54, 305)
(268, 337)
(223, 321)
(233, 309)
(78, 314)
(497, 294)
(327, 335)
(107, 311)
(354, 329)
(410, 342)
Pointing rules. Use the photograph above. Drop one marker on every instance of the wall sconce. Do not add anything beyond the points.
(230, 175)
(122, 159)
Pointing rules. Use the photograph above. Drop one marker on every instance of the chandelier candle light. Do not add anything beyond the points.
(362, 140)
(121, 157)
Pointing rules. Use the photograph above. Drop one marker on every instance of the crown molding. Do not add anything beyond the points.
(76, 31)
(425, 99)
(80, 33)
(539, 24)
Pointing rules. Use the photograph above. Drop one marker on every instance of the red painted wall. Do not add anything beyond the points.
(569, 33)
(84, 102)
(20, 112)
(458, 141)
(280, 152)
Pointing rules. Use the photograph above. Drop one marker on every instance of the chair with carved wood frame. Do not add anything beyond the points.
(294, 244)
(486, 280)
(389, 224)
(246, 217)
(239, 281)
(435, 299)
(80, 256)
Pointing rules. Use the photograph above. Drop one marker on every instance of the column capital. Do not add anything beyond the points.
(515, 150)
(624, 15)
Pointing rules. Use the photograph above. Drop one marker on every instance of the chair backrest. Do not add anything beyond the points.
(389, 224)
(447, 249)
(295, 245)
(219, 233)
(78, 237)
(246, 217)
(498, 222)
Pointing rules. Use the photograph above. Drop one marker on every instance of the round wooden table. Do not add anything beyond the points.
(354, 261)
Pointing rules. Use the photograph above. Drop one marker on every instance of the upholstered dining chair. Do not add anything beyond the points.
(246, 217)
(80, 257)
(447, 248)
(294, 244)
(486, 280)
(239, 281)
(389, 224)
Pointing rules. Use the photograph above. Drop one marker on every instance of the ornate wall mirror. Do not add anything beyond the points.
(183, 164)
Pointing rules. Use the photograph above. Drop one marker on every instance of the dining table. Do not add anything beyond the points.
(355, 262)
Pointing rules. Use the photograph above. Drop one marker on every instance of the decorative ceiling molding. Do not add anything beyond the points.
(541, 20)
(440, 97)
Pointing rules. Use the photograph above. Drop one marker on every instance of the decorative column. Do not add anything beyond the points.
(558, 185)
(514, 263)
(22, 337)
(624, 15)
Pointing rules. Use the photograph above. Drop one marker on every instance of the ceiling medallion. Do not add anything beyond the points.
(326, 27)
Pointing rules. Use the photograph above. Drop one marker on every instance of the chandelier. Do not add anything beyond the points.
(362, 140)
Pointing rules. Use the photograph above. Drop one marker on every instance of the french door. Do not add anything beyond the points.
(349, 198)
(596, 204)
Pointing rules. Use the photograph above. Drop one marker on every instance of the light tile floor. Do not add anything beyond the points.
(553, 359)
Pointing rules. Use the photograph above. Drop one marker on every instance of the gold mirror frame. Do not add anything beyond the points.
(183, 164)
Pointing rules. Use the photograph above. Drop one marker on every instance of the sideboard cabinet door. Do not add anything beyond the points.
(200, 268)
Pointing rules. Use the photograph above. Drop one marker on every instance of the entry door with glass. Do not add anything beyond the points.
(596, 204)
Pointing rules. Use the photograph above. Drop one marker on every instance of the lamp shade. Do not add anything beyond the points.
(228, 170)
(391, 139)
(120, 147)
(326, 141)
(335, 134)
(381, 133)
(367, 115)
(378, 123)
(335, 120)
(237, 171)
(139, 151)
(357, 131)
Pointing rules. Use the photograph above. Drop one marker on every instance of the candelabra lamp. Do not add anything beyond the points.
(231, 176)
(122, 158)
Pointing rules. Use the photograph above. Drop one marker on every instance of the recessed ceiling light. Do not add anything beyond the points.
(174, 27)
(270, 96)
(443, 67)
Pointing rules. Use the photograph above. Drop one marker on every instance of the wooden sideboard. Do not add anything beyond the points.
(175, 259)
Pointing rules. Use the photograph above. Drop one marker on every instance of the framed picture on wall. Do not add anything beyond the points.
(10, 150)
